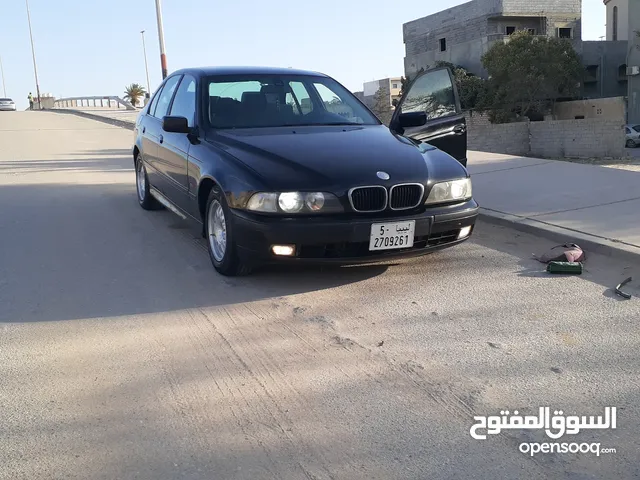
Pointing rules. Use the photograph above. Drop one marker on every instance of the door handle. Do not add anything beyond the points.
(161, 139)
(459, 129)
(144, 129)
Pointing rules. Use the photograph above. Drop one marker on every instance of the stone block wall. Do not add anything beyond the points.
(509, 138)
(589, 138)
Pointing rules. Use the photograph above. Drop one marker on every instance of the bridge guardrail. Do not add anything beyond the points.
(106, 102)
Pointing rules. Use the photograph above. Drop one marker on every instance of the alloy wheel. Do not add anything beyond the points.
(217, 230)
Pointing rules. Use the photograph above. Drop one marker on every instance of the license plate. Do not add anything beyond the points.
(391, 236)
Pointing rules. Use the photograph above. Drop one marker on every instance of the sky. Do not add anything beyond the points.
(94, 47)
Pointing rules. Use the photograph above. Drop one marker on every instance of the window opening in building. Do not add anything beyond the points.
(564, 33)
(443, 44)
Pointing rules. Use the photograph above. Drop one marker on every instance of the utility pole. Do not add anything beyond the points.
(146, 66)
(163, 57)
(33, 53)
(4, 86)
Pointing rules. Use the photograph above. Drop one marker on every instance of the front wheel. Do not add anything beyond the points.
(145, 199)
(631, 144)
(220, 237)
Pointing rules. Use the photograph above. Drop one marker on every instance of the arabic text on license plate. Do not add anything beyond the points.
(389, 236)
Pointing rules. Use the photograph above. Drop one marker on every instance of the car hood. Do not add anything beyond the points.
(335, 158)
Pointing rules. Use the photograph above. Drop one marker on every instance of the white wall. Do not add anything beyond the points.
(623, 19)
(370, 88)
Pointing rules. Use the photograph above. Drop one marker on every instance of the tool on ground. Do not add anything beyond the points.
(622, 294)
(574, 268)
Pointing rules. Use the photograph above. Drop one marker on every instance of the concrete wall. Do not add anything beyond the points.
(633, 108)
(577, 138)
(609, 57)
(550, 139)
(613, 108)
(623, 15)
(509, 138)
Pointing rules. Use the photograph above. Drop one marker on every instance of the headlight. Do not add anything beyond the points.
(291, 202)
(294, 202)
(444, 192)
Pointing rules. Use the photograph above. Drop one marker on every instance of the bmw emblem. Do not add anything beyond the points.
(383, 175)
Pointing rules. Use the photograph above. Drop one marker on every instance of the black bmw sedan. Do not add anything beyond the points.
(283, 165)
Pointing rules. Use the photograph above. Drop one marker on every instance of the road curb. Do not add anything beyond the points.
(589, 243)
(99, 118)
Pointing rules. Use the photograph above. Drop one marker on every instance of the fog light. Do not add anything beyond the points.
(283, 250)
(464, 232)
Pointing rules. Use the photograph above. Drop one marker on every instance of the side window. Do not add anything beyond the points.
(184, 103)
(154, 102)
(433, 94)
(164, 99)
(299, 99)
(334, 103)
(627, 130)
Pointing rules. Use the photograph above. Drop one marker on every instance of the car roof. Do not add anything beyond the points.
(245, 70)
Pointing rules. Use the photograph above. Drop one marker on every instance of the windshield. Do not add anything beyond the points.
(250, 101)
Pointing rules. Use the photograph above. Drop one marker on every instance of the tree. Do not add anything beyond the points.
(527, 74)
(381, 106)
(133, 93)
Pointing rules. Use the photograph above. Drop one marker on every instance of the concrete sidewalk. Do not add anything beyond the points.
(596, 207)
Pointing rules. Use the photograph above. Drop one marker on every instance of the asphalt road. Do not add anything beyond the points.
(124, 355)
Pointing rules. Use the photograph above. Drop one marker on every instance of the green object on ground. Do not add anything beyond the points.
(565, 267)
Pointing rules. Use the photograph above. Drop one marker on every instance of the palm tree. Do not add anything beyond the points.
(133, 93)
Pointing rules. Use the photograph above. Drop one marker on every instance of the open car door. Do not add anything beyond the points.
(429, 111)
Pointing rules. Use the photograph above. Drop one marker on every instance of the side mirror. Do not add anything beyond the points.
(175, 125)
(413, 119)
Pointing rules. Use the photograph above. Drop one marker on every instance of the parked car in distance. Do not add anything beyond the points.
(7, 105)
(280, 165)
(632, 136)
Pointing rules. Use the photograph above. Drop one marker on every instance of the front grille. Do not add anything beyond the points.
(404, 197)
(368, 199)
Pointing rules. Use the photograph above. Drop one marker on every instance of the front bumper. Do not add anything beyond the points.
(345, 240)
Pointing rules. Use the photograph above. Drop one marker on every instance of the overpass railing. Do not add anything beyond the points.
(108, 102)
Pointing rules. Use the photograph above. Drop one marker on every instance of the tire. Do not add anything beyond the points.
(631, 144)
(145, 199)
(223, 255)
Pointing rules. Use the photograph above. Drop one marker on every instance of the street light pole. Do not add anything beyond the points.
(163, 57)
(4, 86)
(33, 53)
(146, 66)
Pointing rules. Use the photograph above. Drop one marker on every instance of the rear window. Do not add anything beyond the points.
(5, 100)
